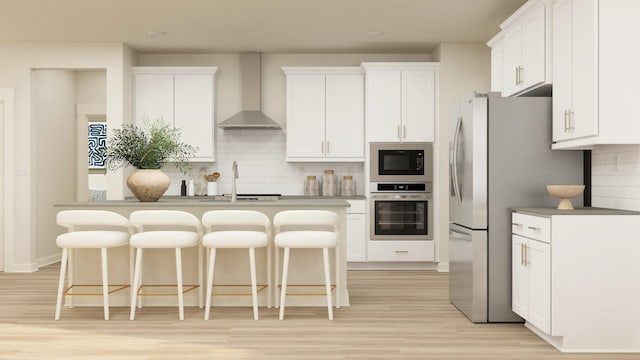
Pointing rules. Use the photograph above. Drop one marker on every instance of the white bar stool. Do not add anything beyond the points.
(90, 229)
(234, 232)
(186, 231)
(308, 239)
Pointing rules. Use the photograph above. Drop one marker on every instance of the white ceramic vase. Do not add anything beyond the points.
(148, 185)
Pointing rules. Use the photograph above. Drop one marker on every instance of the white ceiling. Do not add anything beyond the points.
(270, 26)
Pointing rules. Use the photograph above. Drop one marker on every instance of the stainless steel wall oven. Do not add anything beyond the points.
(401, 211)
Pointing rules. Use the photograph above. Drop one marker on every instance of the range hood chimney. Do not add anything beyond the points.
(251, 116)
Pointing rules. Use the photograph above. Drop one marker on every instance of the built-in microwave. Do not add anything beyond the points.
(401, 162)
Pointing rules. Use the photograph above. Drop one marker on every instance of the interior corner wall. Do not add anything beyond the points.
(16, 64)
(464, 68)
(54, 120)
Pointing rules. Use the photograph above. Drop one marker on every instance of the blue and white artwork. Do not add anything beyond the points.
(97, 144)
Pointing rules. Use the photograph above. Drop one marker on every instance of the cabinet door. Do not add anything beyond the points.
(193, 96)
(519, 277)
(345, 116)
(538, 262)
(356, 238)
(584, 37)
(497, 64)
(153, 97)
(383, 105)
(562, 69)
(532, 69)
(418, 106)
(305, 116)
(512, 59)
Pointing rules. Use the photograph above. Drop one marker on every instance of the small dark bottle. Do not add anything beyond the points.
(183, 188)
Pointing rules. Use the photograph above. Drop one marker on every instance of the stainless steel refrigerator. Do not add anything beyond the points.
(500, 157)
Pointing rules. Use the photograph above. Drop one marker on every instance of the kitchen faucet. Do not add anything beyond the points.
(234, 177)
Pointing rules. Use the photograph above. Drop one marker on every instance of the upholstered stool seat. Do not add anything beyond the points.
(219, 236)
(82, 234)
(178, 230)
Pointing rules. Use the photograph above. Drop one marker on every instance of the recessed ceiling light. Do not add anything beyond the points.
(156, 33)
(375, 33)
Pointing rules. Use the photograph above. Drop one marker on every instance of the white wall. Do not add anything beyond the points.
(16, 64)
(260, 154)
(53, 99)
(615, 177)
(463, 68)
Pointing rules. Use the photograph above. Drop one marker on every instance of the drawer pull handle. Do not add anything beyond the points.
(533, 228)
(516, 224)
(402, 251)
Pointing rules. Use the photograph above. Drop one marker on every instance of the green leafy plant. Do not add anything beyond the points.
(148, 147)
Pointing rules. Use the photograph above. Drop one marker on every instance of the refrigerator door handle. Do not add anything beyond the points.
(454, 162)
(465, 235)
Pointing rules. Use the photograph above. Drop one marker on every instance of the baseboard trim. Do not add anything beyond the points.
(391, 266)
(48, 260)
(443, 267)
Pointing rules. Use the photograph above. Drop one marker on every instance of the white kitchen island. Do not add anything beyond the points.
(232, 265)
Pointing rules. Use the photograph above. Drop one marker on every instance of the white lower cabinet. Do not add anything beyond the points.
(356, 231)
(532, 281)
(575, 277)
(400, 250)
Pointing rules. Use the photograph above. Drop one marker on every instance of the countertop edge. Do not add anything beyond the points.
(548, 212)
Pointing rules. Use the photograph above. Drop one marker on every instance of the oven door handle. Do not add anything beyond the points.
(401, 197)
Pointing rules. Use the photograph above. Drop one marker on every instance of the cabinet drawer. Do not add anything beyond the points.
(357, 206)
(400, 250)
(533, 227)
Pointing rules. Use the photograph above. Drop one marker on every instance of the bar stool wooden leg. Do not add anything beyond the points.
(277, 278)
(179, 279)
(269, 284)
(285, 270)
(136, 284)
(338, 282)
(63, 269)
(254, 291)
(105, 282)
(200, 277)
(327, 280)
(212, 264)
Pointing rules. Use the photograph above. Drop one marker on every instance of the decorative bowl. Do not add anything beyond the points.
(565, 192)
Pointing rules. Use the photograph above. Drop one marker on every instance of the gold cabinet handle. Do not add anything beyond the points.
(517, 75)
(526, 255)
(520, 81)
(566, 121)
(323, 147)
(533, 228)
(328, 147)
(521, 253)
(404, 129)
(399, 132)
(572, 120)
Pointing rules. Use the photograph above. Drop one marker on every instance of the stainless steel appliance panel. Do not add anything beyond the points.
(468, 163)
(468, 271)
(401, 216)
(500, 157)
(376, 175)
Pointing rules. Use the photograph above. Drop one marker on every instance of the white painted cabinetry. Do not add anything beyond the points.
(401, 101)
(531, 264)
(497, 60)
(596, 52)
(325, 114)
(356, 231)
(575, 277)
(526, 49)
(181, 96)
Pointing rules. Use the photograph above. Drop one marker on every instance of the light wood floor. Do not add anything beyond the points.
(394, 315)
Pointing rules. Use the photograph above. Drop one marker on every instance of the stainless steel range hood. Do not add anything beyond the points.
(251, 116)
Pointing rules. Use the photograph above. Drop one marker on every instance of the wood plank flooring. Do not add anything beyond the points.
(394, 315)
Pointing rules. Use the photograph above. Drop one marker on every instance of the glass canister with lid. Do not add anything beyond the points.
(311, 186)
(329, 184)
(348, 187)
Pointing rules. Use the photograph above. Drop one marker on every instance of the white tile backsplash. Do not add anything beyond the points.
(262, 168)
(615, 177)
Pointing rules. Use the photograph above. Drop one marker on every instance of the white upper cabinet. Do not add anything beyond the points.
(526, 51)
(400, 101)
(596, 52)
(497, 59)
(325, 114)
(181, 96)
